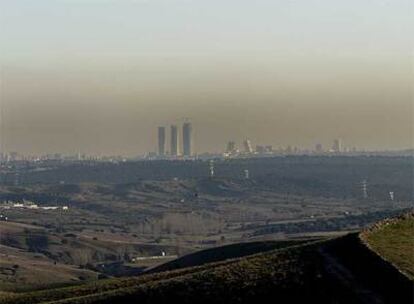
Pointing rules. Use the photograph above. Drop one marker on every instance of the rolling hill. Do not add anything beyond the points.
(355, 268)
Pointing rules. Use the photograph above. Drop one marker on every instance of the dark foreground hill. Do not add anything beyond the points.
(338, 270)
(223, 253)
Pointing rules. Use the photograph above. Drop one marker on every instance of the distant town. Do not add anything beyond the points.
(185, 150)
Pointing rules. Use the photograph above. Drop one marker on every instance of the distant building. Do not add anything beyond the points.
(174, 141)
(318, 148)
(269, 149)
(247, 146)
(337, 146)
(13, 156)
(260, 149)
(264, 149)
(231, 147)
(152, 155)
(161, 141)
(187, 139)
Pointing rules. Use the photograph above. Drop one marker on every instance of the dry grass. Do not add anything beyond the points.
(394, 241)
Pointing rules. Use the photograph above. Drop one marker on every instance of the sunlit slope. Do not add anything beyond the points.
(394, 241)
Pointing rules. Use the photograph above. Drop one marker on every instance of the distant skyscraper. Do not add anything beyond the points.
(318, 148)
(231, 147)
(187, 139)
(248, 146)
(161, 141)
(337, 146)
(269, 149)
(174, 141)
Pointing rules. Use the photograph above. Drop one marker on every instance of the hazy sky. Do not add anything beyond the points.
(98, 76)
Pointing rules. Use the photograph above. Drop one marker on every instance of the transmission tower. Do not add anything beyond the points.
(364, 189)
(212, 172)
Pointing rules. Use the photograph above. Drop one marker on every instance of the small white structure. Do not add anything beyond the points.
(211, 168)
(50, 208)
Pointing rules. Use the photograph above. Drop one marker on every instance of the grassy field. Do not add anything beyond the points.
(394, 241)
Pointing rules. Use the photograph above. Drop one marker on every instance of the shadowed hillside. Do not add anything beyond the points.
(222, 253)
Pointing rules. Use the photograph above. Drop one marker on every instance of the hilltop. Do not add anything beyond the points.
(393, 240)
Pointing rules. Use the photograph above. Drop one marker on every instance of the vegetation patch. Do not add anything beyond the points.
(393, 239)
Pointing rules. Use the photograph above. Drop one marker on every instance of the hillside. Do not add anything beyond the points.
(26, 259)
(394, 241)
(223, 253)
(33, 257)
(211, 280)
(337, 270)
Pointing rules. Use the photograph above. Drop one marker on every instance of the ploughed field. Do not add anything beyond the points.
(336, 270)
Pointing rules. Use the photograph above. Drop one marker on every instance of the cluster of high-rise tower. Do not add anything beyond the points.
(187, 135)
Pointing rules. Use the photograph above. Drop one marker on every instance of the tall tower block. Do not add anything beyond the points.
(174, 141)
(337, 145)
(247, 146)
(161, 141)
(187, 139)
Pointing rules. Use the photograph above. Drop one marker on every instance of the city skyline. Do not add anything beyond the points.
(95, 76)
(206, 151)
(173, 143)
(232, 149)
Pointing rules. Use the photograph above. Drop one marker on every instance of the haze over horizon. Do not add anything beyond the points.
(99, 76)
